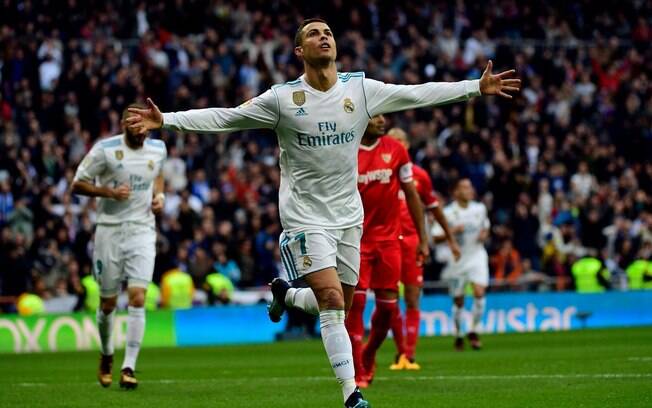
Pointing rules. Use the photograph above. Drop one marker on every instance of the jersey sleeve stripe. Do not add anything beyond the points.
(364, 94)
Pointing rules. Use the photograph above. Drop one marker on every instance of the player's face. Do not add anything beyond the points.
(376, 127)
(318, 45)
(464, 191)
(134, 139)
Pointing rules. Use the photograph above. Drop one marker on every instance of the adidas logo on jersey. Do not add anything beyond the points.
(301, 112)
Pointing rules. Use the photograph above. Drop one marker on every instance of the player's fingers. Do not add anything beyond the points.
(134, 119)
(489, 67)
(152, 105)
(511, 81)
(504, 95)
(141, 112)
(511, 88)
(506, 73)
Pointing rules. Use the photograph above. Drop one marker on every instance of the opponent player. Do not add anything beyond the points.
(319, 119)
(384, 169)
(411, 267)
(124, 172)
(470, 224)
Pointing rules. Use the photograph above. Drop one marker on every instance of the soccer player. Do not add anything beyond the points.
(470, 225)
(411, 267)
(384, 169)
(124, 173)
(319, 119)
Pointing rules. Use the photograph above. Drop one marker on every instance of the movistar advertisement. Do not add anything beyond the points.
(249, 324)
(542, 312)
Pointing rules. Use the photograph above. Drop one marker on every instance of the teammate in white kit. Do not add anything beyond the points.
(319, 120)
(124, 172)
(469, 223)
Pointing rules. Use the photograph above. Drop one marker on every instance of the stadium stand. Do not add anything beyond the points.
(568, 177)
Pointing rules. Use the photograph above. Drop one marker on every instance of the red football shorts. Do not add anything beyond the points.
(380, 265)
(411, 273)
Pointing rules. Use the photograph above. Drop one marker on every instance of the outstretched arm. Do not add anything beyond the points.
(383, 98)
(259, 112)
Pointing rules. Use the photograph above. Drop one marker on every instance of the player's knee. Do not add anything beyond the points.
(330, 299)
(137, 297)
(478, 292)
(107, 305)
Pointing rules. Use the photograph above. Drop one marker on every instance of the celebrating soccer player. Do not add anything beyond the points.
(124, 172)
(470, 225)
(319, 120)
(411, 267)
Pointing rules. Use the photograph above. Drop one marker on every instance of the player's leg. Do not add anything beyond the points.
(330, 298)
(354, 317)
(477, 311)
(283, 294)
(107, 271)
(135, 333)
(412, 323)
(458, 310)
(139, 255)
(105, 317)
(412, 278)
(312, 255)
(384, 282)
(398, 324)
(479, 278)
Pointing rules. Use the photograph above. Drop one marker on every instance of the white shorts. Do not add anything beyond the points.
(311, 250)
(123, 252)
(458, 274)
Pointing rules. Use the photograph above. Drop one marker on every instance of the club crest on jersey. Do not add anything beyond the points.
(119, 154)
(299, 97)
(307, 262)
(150, 165)
(349, 107)
(387, 157)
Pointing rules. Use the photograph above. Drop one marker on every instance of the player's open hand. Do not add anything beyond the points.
(157, 204)
(142, 120)
(423, 252)
(121, 193)
(498, 84)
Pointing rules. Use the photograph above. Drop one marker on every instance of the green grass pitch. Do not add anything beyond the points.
(592, 368)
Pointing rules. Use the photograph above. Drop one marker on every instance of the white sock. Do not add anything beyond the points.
(477, 311)
(302, 298)
(338, 347)
(105, 327)
(135, 332)
(457, 318)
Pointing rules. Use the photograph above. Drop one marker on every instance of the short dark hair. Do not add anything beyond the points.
(298, 40)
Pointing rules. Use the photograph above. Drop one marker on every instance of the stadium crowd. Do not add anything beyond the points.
(569, 175)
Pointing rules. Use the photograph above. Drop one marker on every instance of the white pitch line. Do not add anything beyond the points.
(640, 359)
(597, 376)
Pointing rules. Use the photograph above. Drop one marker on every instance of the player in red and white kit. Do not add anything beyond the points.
(384, 169)
(405, 336)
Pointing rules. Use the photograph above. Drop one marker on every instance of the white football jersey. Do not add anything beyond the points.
(111, 163)
(474, 219)
(319, 134)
